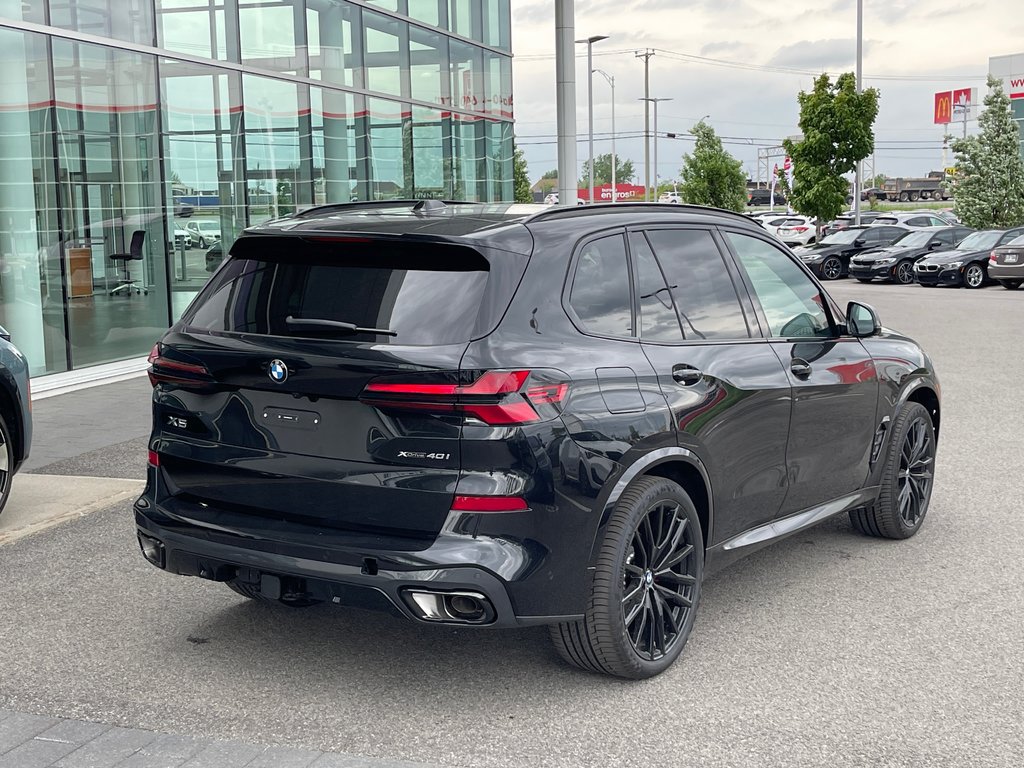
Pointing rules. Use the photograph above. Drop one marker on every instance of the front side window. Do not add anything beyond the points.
(600, 288)
(697, 276)
(792, 303)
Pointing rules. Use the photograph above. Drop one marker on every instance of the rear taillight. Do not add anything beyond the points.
(154, 458)
(497, 398)
(993, 257)
(166, 370)
(800, 229)
(489, 504)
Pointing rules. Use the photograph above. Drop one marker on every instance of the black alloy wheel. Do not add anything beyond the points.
(831, 268)
(906, 483)
(974, 275)
(6, 463)
(646, 587)
(904, 273)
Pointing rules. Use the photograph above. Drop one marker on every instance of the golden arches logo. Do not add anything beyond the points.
(943, 107)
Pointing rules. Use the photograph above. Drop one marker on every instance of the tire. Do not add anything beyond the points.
(831, 268)
(202, 242)
(652, 515)
(974, 276)
(904, 197)
(915, 196)
(1011, 285)
(904, 273)
(893, 515)
(245, 589)
(6, 462)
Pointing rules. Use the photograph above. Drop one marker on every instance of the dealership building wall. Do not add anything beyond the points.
(1010, 69)
(189, 120)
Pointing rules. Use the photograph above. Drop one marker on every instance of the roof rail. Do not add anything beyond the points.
(423, 204)
(569, 211)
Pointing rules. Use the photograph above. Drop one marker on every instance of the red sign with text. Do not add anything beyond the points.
(943, 107)
(603, 192)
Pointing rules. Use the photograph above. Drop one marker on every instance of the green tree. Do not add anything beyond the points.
(711, 176)
(603, 170)
(552, 174)
(879, 180)
(520, 177)
(989, 182)
(837, 126)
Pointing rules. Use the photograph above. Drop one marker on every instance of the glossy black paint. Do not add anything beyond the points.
(895, 263)
(304, 480)
(947, 267)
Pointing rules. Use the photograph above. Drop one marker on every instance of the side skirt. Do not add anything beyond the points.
(728, 552)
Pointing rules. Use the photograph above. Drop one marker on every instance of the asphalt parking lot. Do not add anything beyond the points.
(827, 649)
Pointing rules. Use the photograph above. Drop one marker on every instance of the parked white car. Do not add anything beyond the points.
(670, 197)
(204, 232)
(797, 230)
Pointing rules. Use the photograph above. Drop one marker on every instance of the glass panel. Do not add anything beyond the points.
(382, 57)
(469, 158)
(428, 155)
(387, 5)
(272, 36)
(111, 206)
(32, 258)
(277, 147)
(500, 160)
(428, 70)
(336, 124)
(467, 76)
(792, 303)
(24, 10)
(658, 321)
(600, 288)
(427, 11)
(464, 18)
(130, 20)
(703, 291)
(335, 53)
(498, 95)
(387, 149)
(181, 26)
(204, 171)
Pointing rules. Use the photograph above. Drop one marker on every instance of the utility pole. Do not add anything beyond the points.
(860, 77)
(655, 103)
(565, 69)
(646, 56)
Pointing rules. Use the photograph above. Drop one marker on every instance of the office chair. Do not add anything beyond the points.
(127, 284)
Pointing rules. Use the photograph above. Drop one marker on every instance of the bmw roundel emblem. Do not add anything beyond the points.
(278, 371)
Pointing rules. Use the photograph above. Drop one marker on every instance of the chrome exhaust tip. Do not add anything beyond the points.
(450, 607)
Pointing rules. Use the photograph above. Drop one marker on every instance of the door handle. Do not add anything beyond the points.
(686, 375)
(800, 368)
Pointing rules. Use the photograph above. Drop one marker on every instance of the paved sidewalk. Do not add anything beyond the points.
(33, 741)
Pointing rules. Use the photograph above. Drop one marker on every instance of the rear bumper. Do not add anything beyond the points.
(1006, 271)
(363, 577)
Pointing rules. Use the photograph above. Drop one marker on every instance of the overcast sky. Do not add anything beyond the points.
(912, 49)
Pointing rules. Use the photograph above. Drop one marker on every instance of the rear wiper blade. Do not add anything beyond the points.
(334, 325)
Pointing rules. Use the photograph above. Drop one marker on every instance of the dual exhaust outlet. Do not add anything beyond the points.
(450, 607)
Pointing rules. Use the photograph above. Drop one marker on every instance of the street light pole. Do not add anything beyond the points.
(615, 162)
(590, 102)
(565, 66)
(860, 72)
(655, 103)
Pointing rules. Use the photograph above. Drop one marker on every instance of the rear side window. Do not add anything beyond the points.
(426, 296)
(703, 291)
(600, 288)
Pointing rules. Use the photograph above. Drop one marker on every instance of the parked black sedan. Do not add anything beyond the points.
(830, 259)
(968, 263)
(895, 263)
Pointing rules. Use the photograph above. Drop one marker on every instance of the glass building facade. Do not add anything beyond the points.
(171, 125)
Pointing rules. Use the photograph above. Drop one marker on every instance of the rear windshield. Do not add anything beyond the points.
(366, 292)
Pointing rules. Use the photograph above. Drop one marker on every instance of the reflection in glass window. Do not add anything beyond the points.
(339, 174)
(130, 20)
(658, 321)
(272, 36)
(600, 288)
(382, 53)
(428, 66)
(428, 154)
(704, 293)
(427, 11)
(387, 149)
(182, 26)
(791, 302)
(335, 53)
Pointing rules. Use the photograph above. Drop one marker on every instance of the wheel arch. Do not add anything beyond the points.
(927, 396)
(11, 411)
(679, 465)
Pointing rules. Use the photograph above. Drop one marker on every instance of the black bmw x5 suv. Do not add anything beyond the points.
(502, 416)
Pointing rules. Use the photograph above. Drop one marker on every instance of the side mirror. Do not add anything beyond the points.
(860, 242)
(4, 334)
(933, 246)
(862, 320)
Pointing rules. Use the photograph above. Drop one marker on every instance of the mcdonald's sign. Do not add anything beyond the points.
(943, 107)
